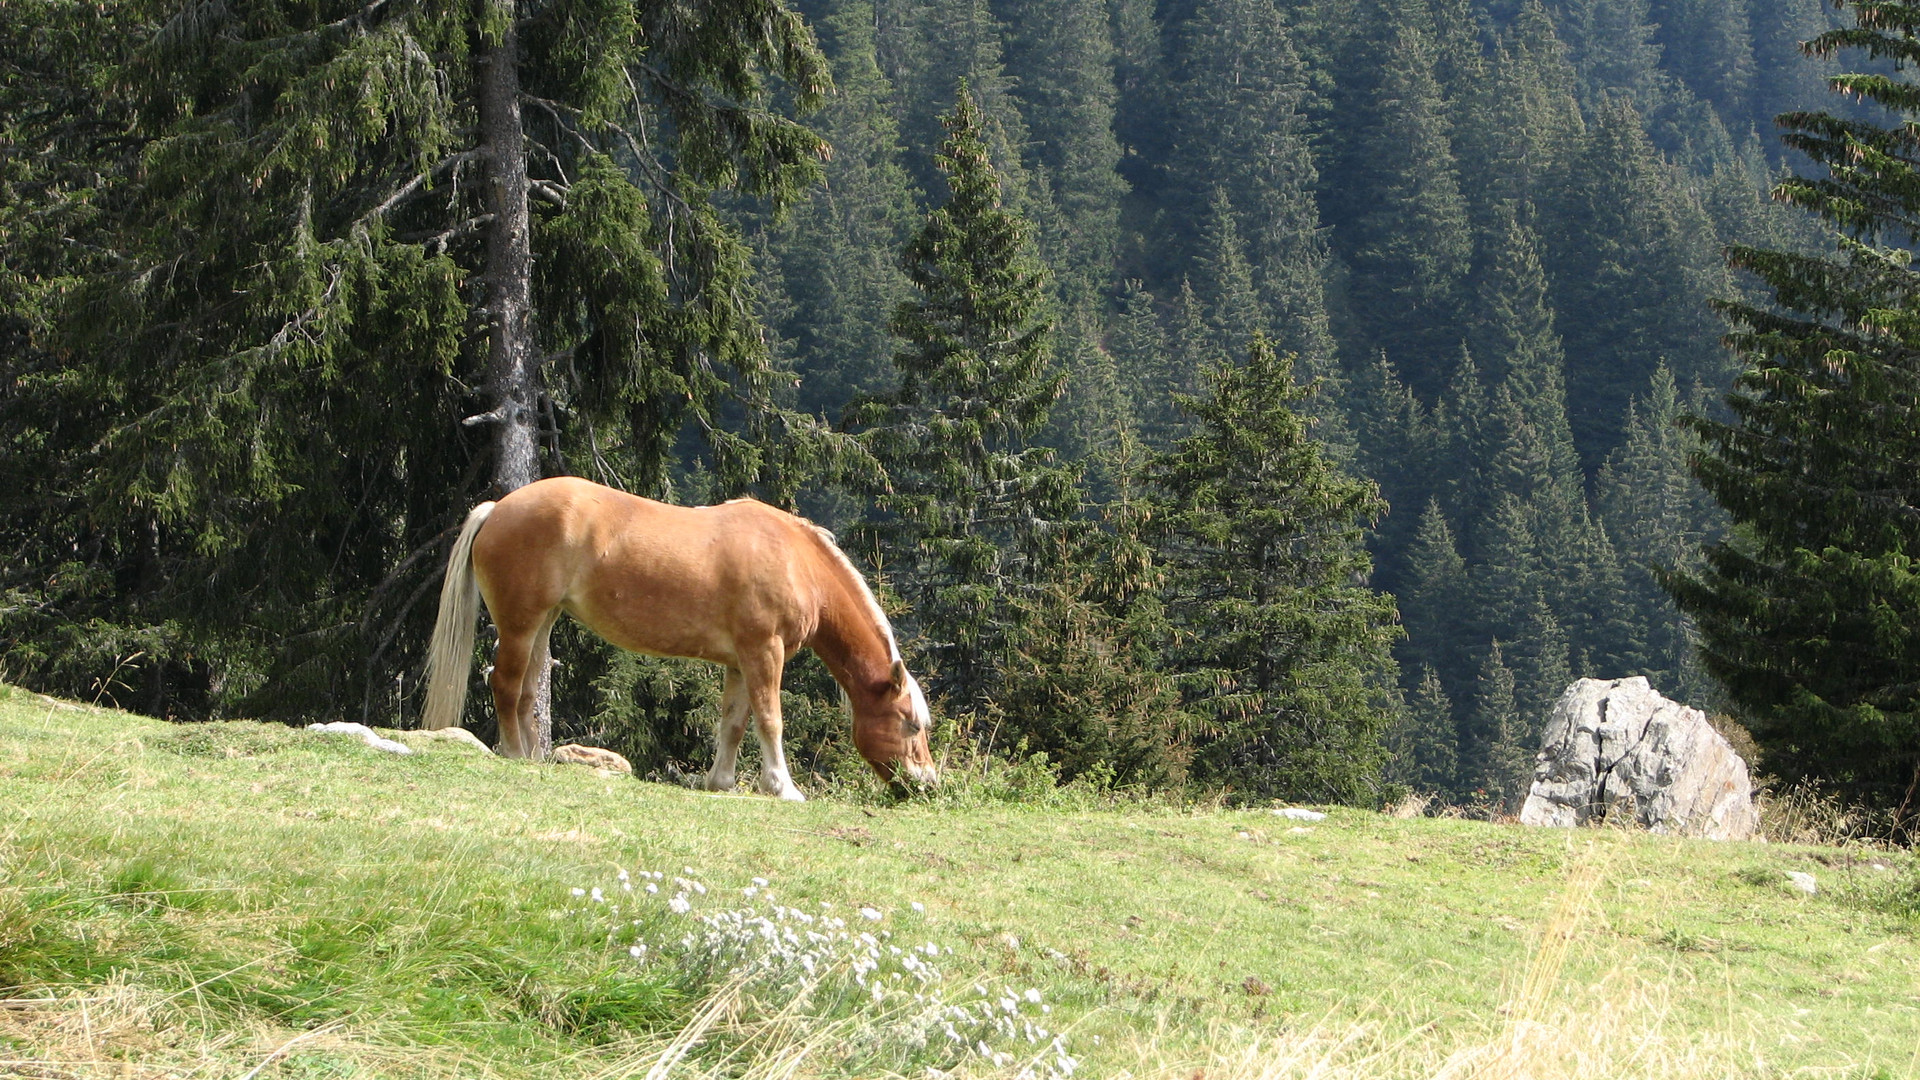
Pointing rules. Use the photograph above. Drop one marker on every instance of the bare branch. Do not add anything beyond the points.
(413, 186)
(440, 239)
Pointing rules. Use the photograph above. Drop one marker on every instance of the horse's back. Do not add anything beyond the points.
(649, 576)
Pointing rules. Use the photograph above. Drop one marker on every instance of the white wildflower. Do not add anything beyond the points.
(580, 892)
(870, 914)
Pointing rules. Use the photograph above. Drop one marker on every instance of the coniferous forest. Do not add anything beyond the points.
(1282, 397)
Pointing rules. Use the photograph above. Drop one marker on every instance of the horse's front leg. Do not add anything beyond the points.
(763, 693)
(726, 738)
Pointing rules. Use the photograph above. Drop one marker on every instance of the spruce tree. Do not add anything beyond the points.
(1806, 611)
(1239, 102)
(1709, 45)
(970, 514)
(1647, 497)
(1223, 281)
(1614, 47)
(1143, 357)
(1281, 653)
(1500, 758)
(1434, 595)
(1397, 444)
(836, 256)
(1062, 59)
(1631, 274)
(1523, 122)
(1407, 236)
(1425, 744)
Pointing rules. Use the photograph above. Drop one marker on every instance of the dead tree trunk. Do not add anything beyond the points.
(513, 378)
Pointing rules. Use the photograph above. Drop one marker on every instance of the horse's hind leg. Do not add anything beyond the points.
(726, 737)
(518, 662)
(762, 675)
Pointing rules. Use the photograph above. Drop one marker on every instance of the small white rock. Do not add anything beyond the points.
(365, 733)
(1295, 813)
(1800, 879)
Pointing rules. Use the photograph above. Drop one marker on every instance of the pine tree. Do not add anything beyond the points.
(1631, 278)
(1647, 497)
(1239, 98)
(967, 519)
(1435, 596)
(1806, 610)
(1282, 655)
(1063, 63)
(1501, 759)
(1425, 745)
(1407, 236)
(836, 256)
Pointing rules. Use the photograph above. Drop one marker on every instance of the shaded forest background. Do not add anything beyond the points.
(1481, 235)
(1490, 230)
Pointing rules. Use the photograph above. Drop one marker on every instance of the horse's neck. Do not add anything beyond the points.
(858, 651)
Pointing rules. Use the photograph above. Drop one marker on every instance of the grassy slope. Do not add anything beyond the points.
(194, 898)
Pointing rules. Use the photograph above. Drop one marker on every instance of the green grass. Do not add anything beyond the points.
(249, 900)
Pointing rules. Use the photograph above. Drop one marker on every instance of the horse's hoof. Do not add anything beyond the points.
(792, 794)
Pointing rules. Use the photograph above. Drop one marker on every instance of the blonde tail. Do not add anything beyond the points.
(451, 653)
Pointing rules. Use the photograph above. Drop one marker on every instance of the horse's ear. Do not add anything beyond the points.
(899, 676)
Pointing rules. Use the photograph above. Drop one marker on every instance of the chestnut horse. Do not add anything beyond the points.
(740, 584)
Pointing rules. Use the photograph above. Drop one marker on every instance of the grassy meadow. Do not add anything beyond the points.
(252, 901)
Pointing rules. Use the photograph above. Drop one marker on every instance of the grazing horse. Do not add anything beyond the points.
(740, 584)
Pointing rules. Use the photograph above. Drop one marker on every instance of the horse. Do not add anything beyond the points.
(741, 584)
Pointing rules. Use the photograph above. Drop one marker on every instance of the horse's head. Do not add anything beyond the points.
(890, 729)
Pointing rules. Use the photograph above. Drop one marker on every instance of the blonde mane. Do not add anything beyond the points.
(832, 545)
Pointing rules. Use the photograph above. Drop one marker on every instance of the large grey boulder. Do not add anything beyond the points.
(1618, 751)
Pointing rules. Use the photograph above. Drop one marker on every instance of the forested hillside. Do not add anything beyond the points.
(1491, 230)
(1092, 325)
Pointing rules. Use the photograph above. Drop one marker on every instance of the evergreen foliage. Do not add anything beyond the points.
(1806, 610)
(1500, 761)
(340, 216)
(1425, 746)
(255, 273)
(972, 516)
(1282, 655)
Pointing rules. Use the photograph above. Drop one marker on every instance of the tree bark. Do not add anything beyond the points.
(513, 380)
